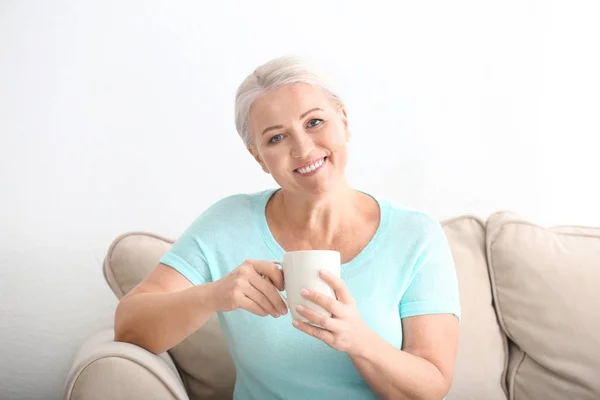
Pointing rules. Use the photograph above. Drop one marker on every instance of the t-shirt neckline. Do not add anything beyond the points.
(278, 251)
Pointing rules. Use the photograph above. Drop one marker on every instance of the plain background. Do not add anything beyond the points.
(118, 116)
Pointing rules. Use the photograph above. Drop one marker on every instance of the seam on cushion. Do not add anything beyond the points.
(511, 379)
(575, 226)
(116, 355)
(464, 217)
(499, 315)
(492, 242)
(107, 269)
(551, 230)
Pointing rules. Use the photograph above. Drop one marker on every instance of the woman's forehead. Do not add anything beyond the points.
(292, 99)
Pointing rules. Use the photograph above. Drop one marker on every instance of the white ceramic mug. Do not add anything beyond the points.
(301, 271)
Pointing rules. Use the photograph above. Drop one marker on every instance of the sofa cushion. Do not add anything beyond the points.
(545, 283)
(203, 358)
(482, 356)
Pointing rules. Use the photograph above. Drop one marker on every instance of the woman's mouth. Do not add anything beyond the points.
(312, 168)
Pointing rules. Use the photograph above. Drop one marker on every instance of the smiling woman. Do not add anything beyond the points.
(392, 329)
(300, 130)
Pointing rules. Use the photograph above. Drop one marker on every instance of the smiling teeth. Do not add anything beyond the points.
(311, 167)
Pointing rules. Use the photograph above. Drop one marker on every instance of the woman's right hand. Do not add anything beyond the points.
(246, 287)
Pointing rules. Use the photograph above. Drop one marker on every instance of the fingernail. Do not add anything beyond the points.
(296, 323)
(304, 292)
(275, 315)
(299, 308)
(283, 311)
(324, 272)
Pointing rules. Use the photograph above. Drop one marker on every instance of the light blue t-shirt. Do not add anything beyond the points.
(405, 270)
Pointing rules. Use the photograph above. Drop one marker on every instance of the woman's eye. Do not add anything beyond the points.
(276, 139)
(314, 122)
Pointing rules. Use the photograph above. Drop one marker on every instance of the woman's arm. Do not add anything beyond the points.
(162, 310)
(423, 369)
(165, 308)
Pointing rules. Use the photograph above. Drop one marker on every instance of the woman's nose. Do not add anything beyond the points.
(302, 146)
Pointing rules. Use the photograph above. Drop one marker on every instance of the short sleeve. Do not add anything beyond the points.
(433, 285)
(187, 258)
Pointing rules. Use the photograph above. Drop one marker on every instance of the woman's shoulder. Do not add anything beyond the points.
(240, 200)
(407, 220)
(235, 210)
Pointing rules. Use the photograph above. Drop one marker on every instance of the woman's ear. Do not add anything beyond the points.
(258, 158)
(344, 115)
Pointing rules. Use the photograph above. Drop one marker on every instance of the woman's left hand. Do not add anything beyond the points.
(345, 330)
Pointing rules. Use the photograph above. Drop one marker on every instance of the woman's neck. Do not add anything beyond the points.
(324, 216)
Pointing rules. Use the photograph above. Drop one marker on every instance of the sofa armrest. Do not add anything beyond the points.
(105, 369)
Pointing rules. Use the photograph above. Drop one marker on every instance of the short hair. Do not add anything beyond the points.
(269, 76)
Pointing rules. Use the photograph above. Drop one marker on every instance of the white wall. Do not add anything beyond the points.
(117, 116)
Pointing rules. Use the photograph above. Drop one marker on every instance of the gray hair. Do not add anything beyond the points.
(270, 76)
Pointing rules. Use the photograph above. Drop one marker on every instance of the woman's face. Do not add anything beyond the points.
(300, 137)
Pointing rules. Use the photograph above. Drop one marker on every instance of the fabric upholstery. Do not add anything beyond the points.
(104, 369)
(203, 358)
(546, 282)
(482, 356)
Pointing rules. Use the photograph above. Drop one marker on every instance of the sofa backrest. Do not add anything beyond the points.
(545, 283)
(205, 363)
(482, 352)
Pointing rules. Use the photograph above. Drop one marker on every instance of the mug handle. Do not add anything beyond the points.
(285, 300)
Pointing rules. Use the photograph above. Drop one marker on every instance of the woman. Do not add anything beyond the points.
(394, 326)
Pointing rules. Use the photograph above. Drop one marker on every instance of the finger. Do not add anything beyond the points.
(259, 298)
(314, 331)
(266, 288)
(338, 285)
(270, 270)
(317, 318)
(250, 305)
(328, 303)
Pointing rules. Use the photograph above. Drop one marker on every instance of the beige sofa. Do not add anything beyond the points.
(530, 321)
